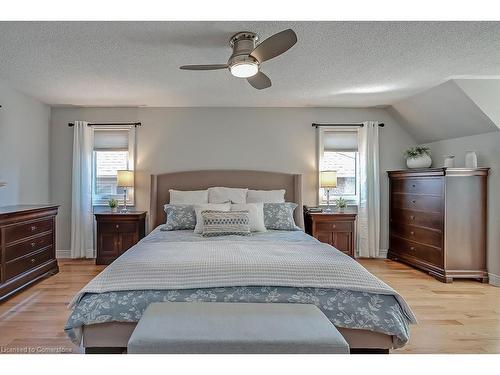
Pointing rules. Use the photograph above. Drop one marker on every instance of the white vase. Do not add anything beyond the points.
(449, 161)
(423, 161)
(470, 159)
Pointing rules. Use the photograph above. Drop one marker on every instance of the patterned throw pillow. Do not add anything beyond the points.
(224, 223)
(279, 216)
(179, 217)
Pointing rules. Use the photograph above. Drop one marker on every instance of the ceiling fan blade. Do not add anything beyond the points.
(274, 45)
(259, 81)
(204, 67)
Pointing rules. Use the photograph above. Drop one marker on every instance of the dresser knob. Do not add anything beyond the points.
(412, 217)
(413, 185)
(117, 226)
(33, 244)
(33, 227)
(413, 201)
(334, 226)
(32, 260)
(412, 233)
(412, 248)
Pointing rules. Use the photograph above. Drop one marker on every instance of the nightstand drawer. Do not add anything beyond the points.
(337, 226)
(117, 227)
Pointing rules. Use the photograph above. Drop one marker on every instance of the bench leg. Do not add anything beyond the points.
(105, 350)
(369, 351)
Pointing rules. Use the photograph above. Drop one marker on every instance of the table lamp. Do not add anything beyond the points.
(125, 179)
(328, 180)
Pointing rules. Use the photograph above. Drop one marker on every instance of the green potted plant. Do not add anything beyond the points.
(113, 204)
(341, 204)
(418, 157)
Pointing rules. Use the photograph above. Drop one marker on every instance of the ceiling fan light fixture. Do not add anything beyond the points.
(244, 69)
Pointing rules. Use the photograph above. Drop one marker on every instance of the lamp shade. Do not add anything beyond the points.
(328, 179)
(125, 178)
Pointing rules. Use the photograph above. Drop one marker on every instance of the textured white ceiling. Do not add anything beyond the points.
(333, 63)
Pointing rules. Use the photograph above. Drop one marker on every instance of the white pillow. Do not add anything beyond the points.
(188, 197)
(224, 194)
(266, 196)
(204, 207)
(255, 214)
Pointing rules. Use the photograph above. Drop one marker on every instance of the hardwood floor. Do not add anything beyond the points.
(463, 317)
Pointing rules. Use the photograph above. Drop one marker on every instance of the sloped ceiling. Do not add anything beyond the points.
(451, 110)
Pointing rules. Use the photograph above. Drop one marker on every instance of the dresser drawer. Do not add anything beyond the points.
(337, 226)
(422, 185)
(422, 235)
(18, 266)
(427, 253)
(417, 202)
(433, 220)
(20, 231)
(27, 247)
(117, 227)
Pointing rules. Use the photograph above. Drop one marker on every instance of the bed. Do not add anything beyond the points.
(273, 266)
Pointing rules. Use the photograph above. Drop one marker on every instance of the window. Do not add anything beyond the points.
(338, 151)
(113, 150)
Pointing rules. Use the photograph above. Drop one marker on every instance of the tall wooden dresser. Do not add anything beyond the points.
(438, 219)
(27, 244)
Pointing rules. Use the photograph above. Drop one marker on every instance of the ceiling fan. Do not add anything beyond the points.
(247, 58)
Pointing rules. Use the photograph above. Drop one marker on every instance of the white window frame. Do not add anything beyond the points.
(352, 200)
(103, 201)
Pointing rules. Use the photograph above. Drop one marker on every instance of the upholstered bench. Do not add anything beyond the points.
(206, 327)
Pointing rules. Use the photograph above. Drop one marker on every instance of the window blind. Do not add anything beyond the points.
(340, 141)
(111, 139)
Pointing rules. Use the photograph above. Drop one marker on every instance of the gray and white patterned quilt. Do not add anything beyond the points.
(165, 266)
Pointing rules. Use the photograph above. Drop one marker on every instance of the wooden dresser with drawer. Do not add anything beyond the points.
(438, 219)
(27, 246)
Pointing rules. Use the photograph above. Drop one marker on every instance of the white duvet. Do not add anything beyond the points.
(162, 263)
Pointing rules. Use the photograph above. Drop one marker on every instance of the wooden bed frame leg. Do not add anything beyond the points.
(105, 350)
(369, 351)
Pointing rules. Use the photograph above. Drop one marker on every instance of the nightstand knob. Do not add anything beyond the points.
(117, 226)
(412, 233)
(33, 227)
(32, 260)
(412, 217)
(412, 248)
(334, 226)
(33, 244)
(413, 201)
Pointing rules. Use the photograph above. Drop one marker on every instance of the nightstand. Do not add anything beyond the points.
(117, 232)
(337, 229)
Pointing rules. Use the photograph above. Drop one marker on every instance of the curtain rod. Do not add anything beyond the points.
(136, 124)
(316, 125)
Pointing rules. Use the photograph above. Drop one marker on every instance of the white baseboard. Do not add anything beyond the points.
(66, 254)
(494, 279)
(382, 253)
(63, 254)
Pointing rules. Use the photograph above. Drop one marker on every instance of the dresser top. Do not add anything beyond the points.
(25, 207)
(443, 171)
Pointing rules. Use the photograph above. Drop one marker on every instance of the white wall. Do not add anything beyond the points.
(177, 139)
(488, 154)
(24, 148)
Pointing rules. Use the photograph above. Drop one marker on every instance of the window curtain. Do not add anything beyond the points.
(369, 199)
(82, 244)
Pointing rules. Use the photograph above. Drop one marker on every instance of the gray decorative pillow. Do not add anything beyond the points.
(224, 223)
(279, 216)
(179, 217)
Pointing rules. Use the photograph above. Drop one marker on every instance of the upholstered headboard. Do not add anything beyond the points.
(200, 180)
